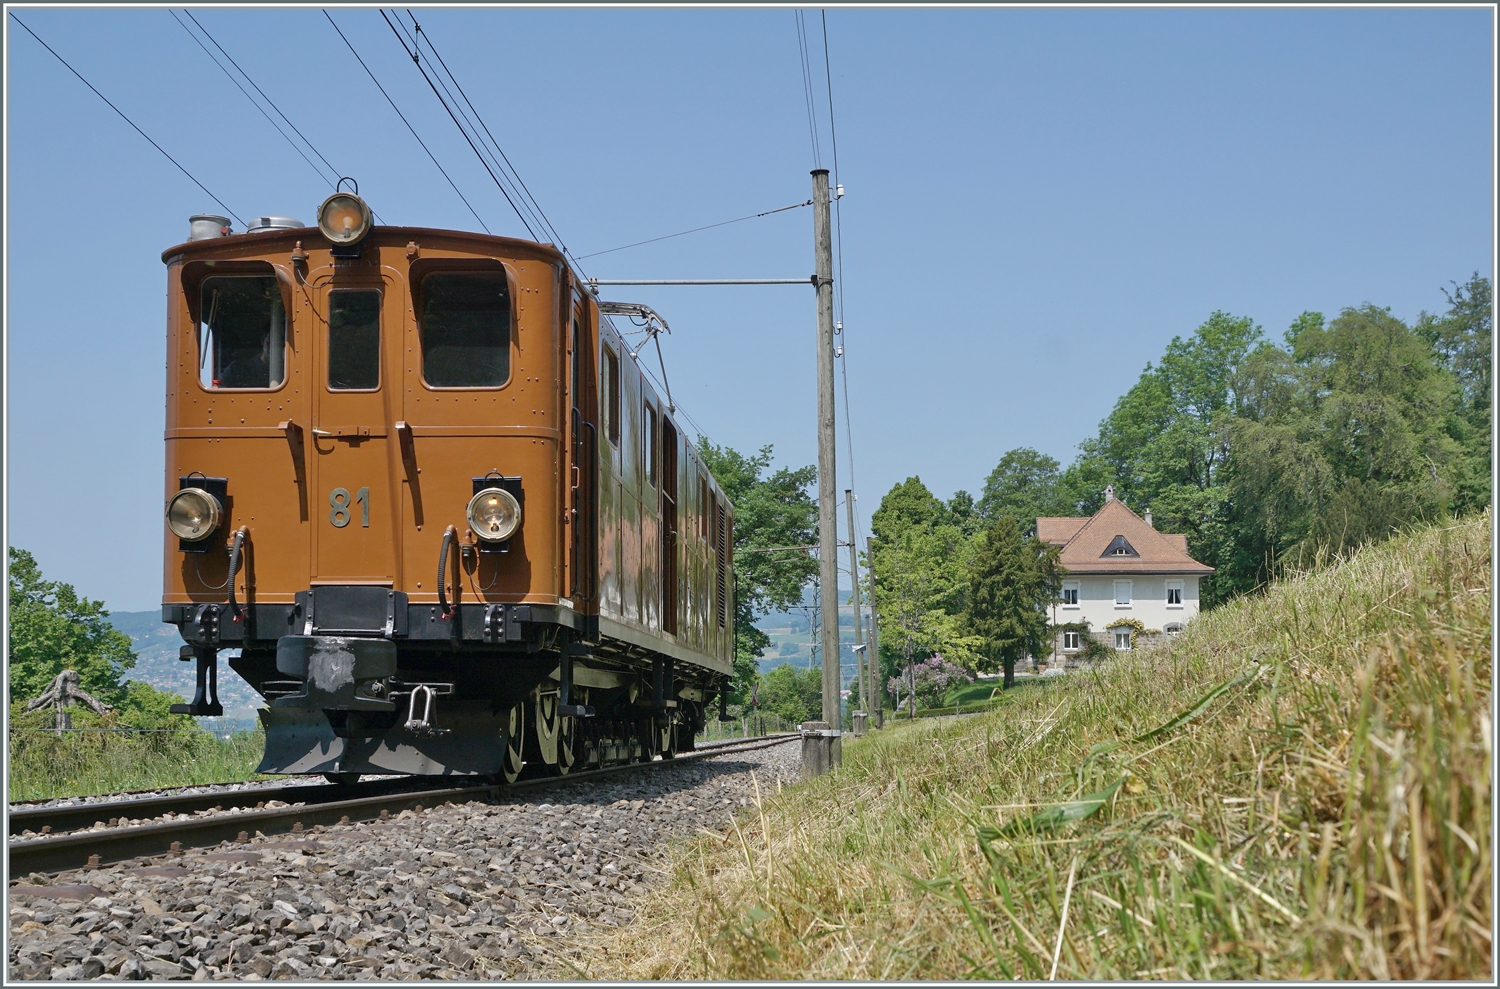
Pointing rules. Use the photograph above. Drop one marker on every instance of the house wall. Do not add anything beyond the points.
(1096, 603)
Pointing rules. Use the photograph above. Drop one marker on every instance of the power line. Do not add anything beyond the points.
(417, 61)
(247, 95)
(404, 120)
(536, 206)
(684, 233)
(807, 90)
(839, 240)
(96, 92)
(335, 171)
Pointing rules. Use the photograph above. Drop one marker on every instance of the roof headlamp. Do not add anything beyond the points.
(344, 219)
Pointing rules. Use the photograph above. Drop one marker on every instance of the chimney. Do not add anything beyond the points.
(1148, 518)
(1109, 493)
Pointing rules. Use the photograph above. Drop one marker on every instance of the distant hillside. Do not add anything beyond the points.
(156, 645)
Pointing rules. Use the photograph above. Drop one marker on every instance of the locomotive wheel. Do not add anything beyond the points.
(342, 779)
(567, 735)
(667, 737)
(511, 762)
(548, 728)
(650, 738)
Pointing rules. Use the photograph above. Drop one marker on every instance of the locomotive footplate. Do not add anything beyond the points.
(385, 614)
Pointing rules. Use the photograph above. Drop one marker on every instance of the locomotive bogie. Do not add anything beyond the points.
(451, 528)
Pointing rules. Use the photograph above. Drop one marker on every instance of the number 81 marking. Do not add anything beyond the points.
(339, 514)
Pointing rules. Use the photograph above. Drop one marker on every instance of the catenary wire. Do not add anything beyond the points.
(117, 110)
(271, 102)
(404, 120)
(684, 233)
(460, 127)
(404, 34)
(322, 177)
(807, 90)
(517, 186)
(839, 285)
(424, 35)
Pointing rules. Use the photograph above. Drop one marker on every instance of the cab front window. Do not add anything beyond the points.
(465, 330)
(241, 333)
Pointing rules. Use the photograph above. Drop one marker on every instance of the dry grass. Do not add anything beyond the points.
(1298, 787)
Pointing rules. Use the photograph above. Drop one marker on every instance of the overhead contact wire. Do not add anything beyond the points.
(271, 102)
(263, 113)
(132, 124)
(406, 122)
(545, 221)
(416, 61)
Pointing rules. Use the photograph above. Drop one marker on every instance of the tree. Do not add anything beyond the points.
(1024, 485)
(920, 566)
(1012, 580)
(1360, 442)
(770, 510)
(793, 694)
(1462, 341)
(53, 629)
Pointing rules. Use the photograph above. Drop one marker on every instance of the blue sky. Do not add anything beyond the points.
(1038, 201)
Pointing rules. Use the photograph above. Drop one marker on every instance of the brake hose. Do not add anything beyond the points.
(449, 537)
(240, 535)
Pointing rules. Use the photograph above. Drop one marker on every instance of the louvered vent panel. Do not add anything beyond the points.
(721, 585)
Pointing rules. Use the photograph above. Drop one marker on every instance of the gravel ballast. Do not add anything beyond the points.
(466, 891)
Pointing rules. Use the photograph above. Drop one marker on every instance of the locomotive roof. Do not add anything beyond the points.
(245, 244)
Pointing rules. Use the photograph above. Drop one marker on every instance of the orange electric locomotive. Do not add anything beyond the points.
(419, 484)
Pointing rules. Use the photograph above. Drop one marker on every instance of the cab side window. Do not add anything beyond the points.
(241, 333)
(465, 330)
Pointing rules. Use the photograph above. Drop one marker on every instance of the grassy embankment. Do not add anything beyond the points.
(44, 765)
(1297, 787)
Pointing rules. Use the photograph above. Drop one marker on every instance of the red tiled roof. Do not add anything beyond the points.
(1085, 542)
(1058, 531)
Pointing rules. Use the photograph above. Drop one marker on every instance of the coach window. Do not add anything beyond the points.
(465, 330)
(242, 333)
(648, 445)
(354, 341)
(609, 396)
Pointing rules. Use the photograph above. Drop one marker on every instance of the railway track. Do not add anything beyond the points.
(72, 848)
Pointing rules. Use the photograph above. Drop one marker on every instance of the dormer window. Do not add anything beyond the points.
(1119, 547)
(1121, 551)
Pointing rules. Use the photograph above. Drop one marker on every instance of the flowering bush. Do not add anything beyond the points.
(935, 676)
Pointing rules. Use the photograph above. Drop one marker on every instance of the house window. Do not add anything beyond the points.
(1121, 551)
(1173, 629)
(1122, 593)
(1122, 638)
(1070, 641)
(1070, 594)
(1174, 594)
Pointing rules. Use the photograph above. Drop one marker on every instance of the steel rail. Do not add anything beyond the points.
(80, 848)
(27, 816)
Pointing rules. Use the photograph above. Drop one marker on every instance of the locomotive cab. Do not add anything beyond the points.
(415, 480)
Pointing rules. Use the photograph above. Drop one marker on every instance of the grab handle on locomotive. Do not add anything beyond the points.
(450, 537)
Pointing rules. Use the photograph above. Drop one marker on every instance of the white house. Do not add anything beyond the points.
(1124, 579)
